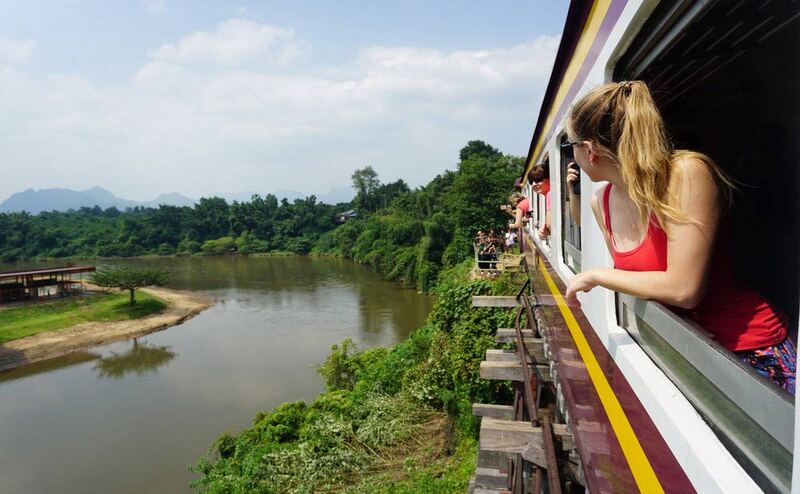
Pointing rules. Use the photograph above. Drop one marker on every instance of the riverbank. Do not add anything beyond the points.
(181, 306)
(393, 420)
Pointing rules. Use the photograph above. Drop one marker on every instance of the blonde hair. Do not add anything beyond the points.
(623, 122)
(515, 198)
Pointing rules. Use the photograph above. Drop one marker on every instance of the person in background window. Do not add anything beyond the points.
(521, 207)
(574, 188)
(539, 177)
(663, 218)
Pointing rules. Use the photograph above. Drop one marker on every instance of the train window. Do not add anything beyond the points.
(539, 178)
(570, 211)
(725, 88)
(720, 76)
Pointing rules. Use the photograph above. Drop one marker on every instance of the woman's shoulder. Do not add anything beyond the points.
(693, 171)
(691, 164)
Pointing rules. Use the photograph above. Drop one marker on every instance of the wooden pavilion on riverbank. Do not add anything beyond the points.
(38, 284)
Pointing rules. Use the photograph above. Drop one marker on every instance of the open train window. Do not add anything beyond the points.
(570, 212)
(725, 77)
(540, 174)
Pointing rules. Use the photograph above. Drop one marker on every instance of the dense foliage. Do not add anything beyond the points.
(408, 235)
(212, 226)
(391, 420)
(422, 231)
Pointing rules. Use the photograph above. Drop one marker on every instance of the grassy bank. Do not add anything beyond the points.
(395, 420)
(28, 320)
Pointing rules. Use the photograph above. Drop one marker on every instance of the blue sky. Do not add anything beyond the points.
(145, 97)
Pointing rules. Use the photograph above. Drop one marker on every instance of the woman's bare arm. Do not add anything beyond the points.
(518, 213)
(689, 247)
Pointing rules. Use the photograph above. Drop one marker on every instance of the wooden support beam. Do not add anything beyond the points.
(512, 371)
(493, 459)
(491, 478)
(495, 301)
(494, 411)
(493, 355)
(534, 346)
(520, 438)
(507, 335)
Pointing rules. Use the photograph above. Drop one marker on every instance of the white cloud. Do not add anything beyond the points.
(153, 6)
(234, 42)
(229, 110)
(15, 51)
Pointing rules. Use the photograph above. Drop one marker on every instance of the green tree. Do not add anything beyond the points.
(478, 149)
(366, 184)
(129, 278)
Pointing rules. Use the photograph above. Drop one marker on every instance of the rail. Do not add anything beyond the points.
(526, 398)
(751, 416)
(486, 262)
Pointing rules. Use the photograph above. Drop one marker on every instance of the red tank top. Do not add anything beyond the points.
(737, 317)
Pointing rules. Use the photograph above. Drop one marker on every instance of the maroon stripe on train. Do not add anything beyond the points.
(572, 32)
(604, 464)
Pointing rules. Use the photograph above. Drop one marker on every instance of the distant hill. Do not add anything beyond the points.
(36, 201)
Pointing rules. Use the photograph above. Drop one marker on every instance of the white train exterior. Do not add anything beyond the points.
(724, 75)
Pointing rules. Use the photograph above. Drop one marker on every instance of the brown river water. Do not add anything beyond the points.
(129, 417)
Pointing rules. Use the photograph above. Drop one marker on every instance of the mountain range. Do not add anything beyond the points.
(36, 201)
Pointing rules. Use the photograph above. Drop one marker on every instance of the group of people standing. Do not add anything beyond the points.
(491, 243)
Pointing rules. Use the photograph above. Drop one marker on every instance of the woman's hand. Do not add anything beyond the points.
(543, 232)
(573, 176)
(581, 282)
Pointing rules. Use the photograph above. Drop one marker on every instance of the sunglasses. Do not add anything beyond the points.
(571, 143)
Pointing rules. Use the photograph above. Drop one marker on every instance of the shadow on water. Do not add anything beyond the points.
(140, 359)
(45, 366)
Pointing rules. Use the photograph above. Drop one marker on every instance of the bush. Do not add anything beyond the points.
(222, 245)
(379, 405)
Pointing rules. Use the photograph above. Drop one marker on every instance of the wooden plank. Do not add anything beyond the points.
(490, 478)
(482, 490)
(493, 459)
(535, 347)
(520, 438)
(504, 356)
(492, 410)
(507, 335)
(494, 301)
(511, 371)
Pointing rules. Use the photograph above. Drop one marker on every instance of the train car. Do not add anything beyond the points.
(654, 403)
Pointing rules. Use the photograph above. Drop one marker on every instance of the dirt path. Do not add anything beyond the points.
(180, 307)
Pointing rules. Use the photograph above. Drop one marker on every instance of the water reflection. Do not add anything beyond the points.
(48, 365)
(140, 359)
(133, 403)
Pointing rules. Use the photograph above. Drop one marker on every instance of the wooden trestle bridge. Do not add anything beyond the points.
(526, 444)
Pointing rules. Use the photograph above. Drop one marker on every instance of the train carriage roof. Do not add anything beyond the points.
(586, 28)
(704, 36)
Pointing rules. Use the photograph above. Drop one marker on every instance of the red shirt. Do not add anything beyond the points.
(737, 317)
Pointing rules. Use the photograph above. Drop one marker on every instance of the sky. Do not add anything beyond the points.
(144, 97)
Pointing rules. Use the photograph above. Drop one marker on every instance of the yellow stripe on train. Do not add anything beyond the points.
(642, 471)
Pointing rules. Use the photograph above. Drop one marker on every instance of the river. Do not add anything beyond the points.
(129, 417)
